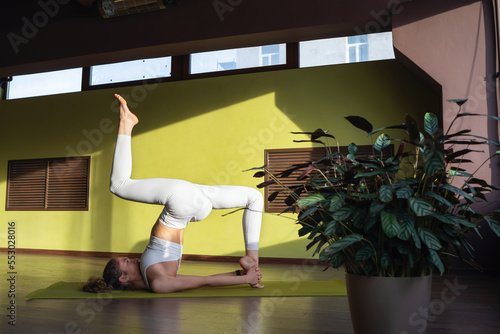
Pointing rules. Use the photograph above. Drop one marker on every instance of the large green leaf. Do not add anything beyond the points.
(344, 242)
(404, 192)
(331, 227)
(459, 192)
(358, 217)
(460, 220)
(382, 142)
(444, 218)
(433, 152)
(337, 260)
(310, 200)
(336, 203)
(364, 253)
(406, 229)
(436, 260)
(433, 165)
(385, 193)
(416, 238)
(421, 207)
(431, 124)
(376, 207)
(353, 149)
(390, 224)
(494, 223)
(343, 213)
(428, 238)
(439, 198)
(308, 212)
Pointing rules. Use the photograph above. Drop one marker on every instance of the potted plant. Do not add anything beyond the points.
(400, 217)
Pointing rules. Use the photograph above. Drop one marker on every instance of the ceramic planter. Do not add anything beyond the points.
(388, 305)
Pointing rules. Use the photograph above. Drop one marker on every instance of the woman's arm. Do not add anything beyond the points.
(188, 282)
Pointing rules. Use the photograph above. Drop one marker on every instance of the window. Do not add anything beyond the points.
(134, 70)
(233, 59)
(279, 160)
(377, 46)
(357, 48)
(342, 50)
(46, 83)
(48, 184)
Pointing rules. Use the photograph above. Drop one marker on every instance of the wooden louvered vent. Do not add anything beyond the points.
(48, 184)
(278, 160)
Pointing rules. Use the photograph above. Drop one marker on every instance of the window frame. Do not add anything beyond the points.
(49, 184)
(180, 67)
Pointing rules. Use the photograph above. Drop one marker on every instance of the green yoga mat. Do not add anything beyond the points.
(334, 287)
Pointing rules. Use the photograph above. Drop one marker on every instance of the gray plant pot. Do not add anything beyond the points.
(388, 305)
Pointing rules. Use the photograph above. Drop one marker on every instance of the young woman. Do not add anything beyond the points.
(183, 203)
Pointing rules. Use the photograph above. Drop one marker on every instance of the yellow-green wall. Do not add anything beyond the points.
(206, 131)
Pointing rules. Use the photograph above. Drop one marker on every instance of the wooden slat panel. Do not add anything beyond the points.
(68, 184)
(26, 184)
(48, 184)
(278, 160)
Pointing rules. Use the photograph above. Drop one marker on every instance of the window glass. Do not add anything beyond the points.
(343, 50)
(134, 70)
(46, 83)
(233, 59)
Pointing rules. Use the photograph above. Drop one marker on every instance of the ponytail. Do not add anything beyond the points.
(96, 285)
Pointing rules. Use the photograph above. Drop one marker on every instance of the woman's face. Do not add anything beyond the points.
(129, 267)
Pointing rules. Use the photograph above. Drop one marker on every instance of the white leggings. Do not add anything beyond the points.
(183, 201)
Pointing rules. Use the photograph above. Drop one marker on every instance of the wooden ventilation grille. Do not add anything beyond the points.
(278, 160)
(48, 184)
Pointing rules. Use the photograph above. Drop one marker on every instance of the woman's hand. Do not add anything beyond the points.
(254, 276)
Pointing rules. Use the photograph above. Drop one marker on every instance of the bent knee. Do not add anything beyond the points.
(255, 197)
(115, 185)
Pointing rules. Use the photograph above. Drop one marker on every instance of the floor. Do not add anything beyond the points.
(473, 307)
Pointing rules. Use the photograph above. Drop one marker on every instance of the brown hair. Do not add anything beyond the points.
(110, 280)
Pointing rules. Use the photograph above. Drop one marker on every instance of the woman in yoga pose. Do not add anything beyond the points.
(183, 202)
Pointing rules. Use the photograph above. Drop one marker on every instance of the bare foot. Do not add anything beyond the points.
(247, 263)
(127, 119)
